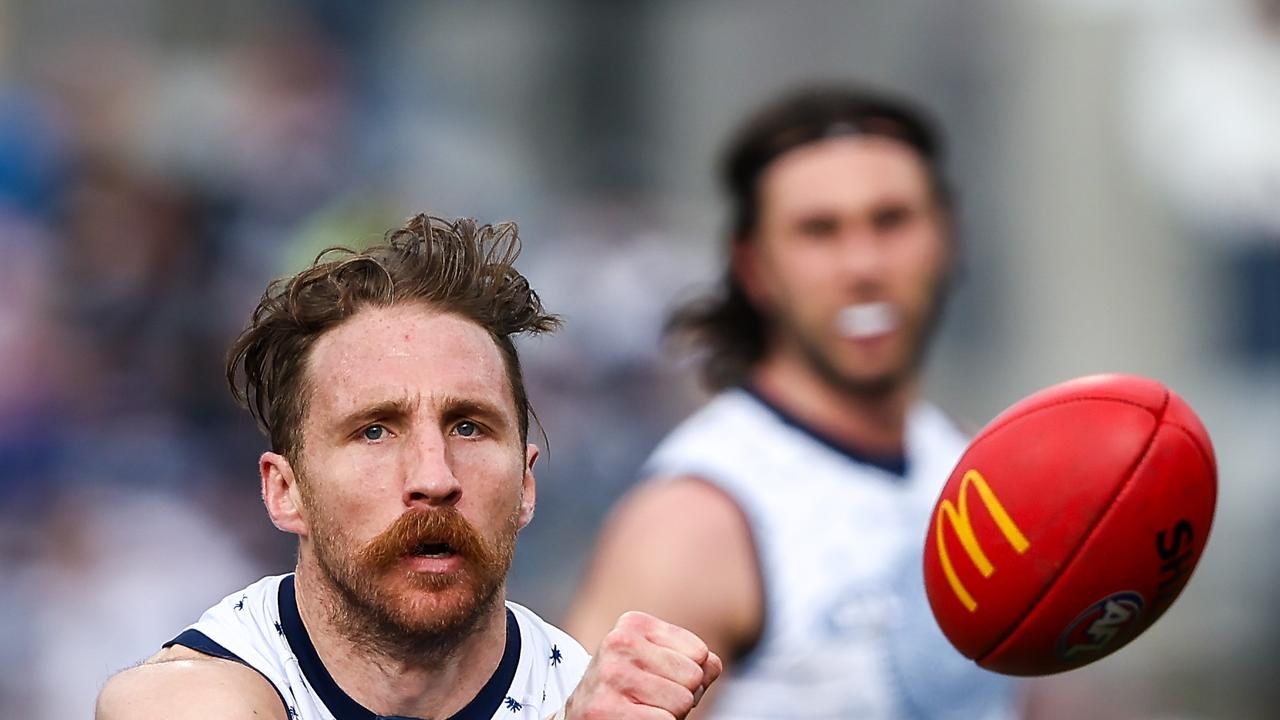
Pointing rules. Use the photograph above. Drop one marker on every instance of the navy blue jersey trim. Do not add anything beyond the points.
(202, 643)
(342, 705)
(895, 465)
(295, 633)
(490, 697)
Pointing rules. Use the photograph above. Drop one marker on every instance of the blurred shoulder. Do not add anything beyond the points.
(179, 683)
(683, 531)
(725, 436)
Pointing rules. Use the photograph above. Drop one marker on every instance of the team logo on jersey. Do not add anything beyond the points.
(860, 608)
(957, 516)
(1101, 624)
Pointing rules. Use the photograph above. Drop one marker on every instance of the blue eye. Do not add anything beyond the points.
(374, 432)
(466, 428)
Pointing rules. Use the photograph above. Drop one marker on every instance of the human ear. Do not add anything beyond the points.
(745, 269)
(528, 486)
(281, 494)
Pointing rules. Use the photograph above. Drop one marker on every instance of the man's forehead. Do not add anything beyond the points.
(404, 353)
(868, 164)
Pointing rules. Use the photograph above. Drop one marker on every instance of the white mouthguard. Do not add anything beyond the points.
(867, 320)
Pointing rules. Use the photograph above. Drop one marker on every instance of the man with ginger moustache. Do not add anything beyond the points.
(812, 471)
(391, 390)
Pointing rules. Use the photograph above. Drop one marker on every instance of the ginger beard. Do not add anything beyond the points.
(378, 600)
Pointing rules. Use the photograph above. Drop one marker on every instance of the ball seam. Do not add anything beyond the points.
(1205, 455)
(1067, 401)
(1073, 556)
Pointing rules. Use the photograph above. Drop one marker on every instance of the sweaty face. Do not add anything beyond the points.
(848, 261)
(414, 481)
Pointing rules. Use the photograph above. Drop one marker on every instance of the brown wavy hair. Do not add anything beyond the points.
(452, 266)
(723, 325)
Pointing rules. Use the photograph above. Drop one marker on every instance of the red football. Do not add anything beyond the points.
(1070, 524)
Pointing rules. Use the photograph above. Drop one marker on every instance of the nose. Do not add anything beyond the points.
(429, 479)
(862, 256)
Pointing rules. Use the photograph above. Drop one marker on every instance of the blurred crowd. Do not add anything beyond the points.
(143, 207)
(161, 162)
(148, 193)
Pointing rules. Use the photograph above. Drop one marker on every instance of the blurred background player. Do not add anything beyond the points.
(784, 521)
(391, 389)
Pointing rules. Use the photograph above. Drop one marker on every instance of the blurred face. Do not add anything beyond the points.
(414, 480)
(848, 261)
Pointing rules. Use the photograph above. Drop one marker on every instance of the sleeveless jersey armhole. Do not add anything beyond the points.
(201, 643)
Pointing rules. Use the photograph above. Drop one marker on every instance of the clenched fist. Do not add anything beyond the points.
(645, 668)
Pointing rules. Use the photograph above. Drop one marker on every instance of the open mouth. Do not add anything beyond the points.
(867, 320)
(434, 550)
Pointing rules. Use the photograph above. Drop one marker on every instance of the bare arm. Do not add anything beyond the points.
(181, 684)
(680, 550)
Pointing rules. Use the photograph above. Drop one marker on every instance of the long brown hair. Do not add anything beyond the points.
(723, 324)
(455, 266)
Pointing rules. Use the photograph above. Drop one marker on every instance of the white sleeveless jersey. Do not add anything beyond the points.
(848, 632)
(260, 627)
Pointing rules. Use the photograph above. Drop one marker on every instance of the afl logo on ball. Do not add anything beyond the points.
(1114, 617)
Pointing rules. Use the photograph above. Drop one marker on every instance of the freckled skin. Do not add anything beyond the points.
(430, 362)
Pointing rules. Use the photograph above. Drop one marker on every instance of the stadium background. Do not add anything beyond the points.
(1119, 172)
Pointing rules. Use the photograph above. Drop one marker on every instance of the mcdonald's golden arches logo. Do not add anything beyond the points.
(959, 521)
